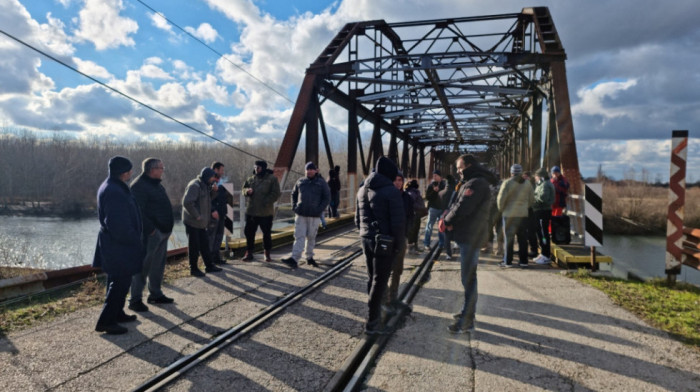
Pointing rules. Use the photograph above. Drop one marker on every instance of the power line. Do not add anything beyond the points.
(132, 98)
(216, 51)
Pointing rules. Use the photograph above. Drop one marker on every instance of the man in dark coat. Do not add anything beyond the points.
(219, 203)
(435, 207)
(379, 211)
(196, 213)
(120, 249)
(391, 301)
(157, 215)
(467, 218)
(310, 197)
(334, 186)
(261, 191)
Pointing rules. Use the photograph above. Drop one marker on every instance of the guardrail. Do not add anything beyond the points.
(691, 247)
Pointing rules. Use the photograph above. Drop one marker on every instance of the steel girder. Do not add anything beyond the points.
(447, 86)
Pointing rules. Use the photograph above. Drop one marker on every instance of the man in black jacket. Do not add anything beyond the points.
(435, 207)
(379, 211)
(215, 230)
(310, 197)
(157, 214)
(467, 218)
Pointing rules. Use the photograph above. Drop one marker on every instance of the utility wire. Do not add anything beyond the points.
(216, 51)
(133, 99)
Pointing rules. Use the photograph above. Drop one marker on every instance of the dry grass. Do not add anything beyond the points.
(642, 209)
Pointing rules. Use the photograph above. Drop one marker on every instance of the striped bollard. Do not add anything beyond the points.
(676, 202)
(593, 209)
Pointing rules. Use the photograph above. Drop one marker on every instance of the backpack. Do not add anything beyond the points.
(418, 203)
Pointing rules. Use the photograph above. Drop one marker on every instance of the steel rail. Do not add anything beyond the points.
(353, 371)
(181, 366)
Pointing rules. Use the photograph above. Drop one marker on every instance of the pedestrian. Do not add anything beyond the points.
(531, 222)
(420, 210)
(467, 219)
(219, 203)
(542, 208)
(261, 191)
(391, 302)
(434, 205)
(334, 185)
(445, 237)
(196, 213)
(119, 251)
(157, 215)
(495, 227)
(514, 199)
(310, 198)
(379, 211)
(561, 191)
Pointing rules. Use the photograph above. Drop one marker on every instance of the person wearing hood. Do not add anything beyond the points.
(514, 199)
(334, 186)
(196, 213)
(310, 197)
(467, 219)
(119, 251)
(379, 210)
(542, 209)
(261, 191)
(158, 221)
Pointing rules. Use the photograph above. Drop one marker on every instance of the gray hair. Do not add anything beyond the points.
(150, 164)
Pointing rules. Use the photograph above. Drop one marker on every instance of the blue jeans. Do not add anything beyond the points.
(433, 215)
(469, 259)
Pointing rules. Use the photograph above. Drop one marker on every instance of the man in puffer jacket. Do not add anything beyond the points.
(310, 197)
(379, 210)
(514, 199)
(196, 212)
(261, 191)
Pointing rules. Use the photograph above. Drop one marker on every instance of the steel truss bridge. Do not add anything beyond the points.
(494, 86)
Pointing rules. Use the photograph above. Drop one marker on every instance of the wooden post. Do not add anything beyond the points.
(676, 202)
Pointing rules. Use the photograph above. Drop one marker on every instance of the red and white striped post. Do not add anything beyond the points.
(676, 202)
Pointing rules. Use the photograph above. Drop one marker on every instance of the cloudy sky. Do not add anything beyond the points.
(632, 68)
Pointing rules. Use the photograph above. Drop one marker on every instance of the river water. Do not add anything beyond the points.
(55, 243)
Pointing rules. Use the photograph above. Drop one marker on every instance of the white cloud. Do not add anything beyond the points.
(93, 69)
(209, 89)
(101, 24)
(160, 23)
(204, 32)
(593, 99)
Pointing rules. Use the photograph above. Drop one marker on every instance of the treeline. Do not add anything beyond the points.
(60, 175)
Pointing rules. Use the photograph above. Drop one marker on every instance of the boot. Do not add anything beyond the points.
(268, 258)
(248, 256)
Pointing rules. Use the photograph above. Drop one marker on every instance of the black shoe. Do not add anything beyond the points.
(197, 272)
(126, 318)
(213, 268)
(376, 331)
(160, 300)
(248, 256)
(290, 262)
(457, 316)
(310, 261)
(532, 254)
(220, 262)
(138, 306)
(456, 329)
(112, 329)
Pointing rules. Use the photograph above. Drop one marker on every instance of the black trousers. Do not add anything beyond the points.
(378, 271)
(117, 288)
(198, 244)
(543, 217)
(251, 227)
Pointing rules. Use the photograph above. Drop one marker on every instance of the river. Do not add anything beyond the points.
(55, 243)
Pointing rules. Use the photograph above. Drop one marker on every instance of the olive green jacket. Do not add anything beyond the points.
(266, 191)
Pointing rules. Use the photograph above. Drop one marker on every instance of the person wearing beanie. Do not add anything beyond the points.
(379, 210)
(542, 210)
(261, 191)
(219, 208)
(310, 198)
(119, 251)
(435, 207)
(514, 199)
(334, 185)
(467, 219)
(561, 191)
(158, 222)
(196, 214)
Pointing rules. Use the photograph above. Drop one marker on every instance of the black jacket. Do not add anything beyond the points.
(218, 202)
(379, 200)
(433, 197)
(469, 212)
(310, 196)
(156, 210)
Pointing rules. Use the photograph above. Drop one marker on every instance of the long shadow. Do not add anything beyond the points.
(6, 345)
(146, 349)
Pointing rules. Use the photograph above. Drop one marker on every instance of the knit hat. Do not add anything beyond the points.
(387, 168)
(436, 171)
(399, 174)
(310, 166)
(207, 174)
(119, 165)
(542, 172)
(556, 169)
(261, 163)
(516, 170)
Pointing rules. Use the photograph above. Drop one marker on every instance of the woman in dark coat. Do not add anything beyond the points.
(120, 250)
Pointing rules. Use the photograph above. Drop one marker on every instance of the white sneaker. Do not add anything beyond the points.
(538, 258)
(542, 260)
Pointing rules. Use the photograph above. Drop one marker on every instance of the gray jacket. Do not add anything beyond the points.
(311, 196)
(196, 204)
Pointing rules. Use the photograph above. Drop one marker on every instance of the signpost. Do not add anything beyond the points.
(593, 209)
(676, 202)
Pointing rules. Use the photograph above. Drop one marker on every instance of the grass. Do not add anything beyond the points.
(675, 309)
(46, 307)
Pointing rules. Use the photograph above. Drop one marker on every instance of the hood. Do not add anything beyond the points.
(206, 175)
(387, 168)
(375, 181)
(476, 170)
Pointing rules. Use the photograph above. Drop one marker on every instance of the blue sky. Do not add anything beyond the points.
(631, 66)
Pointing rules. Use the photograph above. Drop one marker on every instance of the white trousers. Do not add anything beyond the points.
(305, 230)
